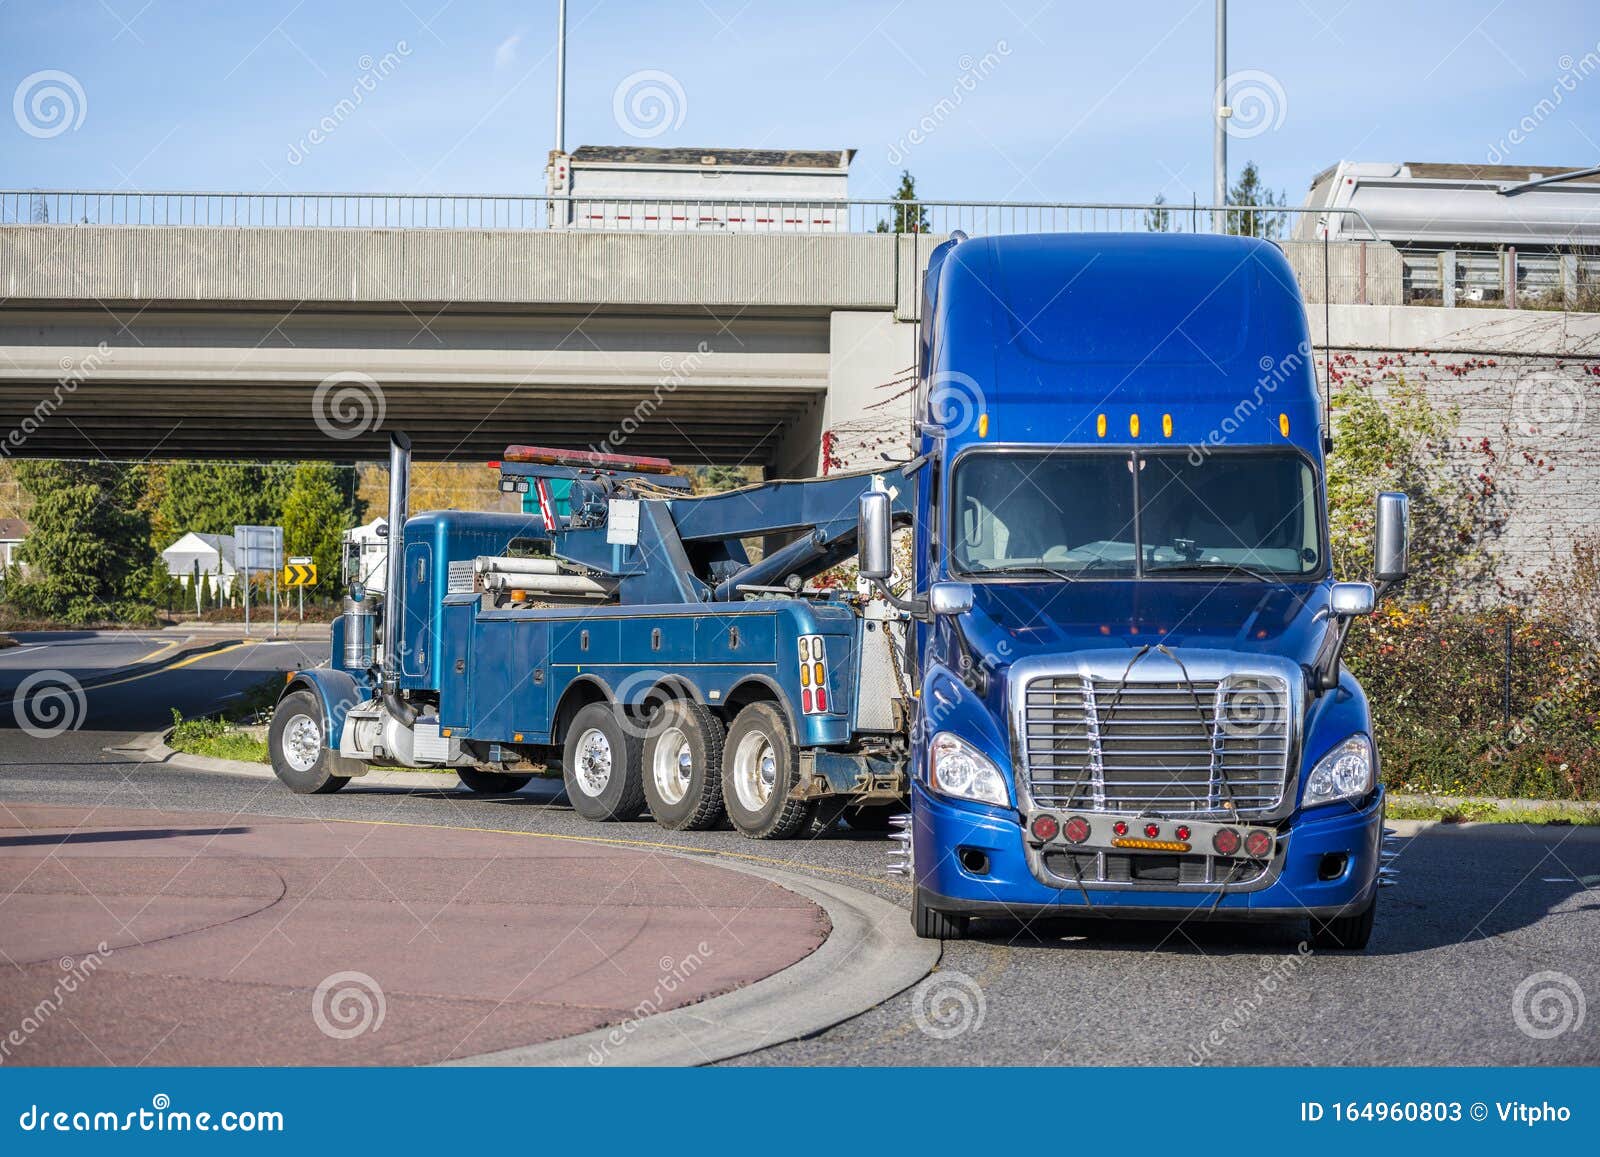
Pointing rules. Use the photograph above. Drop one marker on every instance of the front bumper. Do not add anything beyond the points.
(1010, 888)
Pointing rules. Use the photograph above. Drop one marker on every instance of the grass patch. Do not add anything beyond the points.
(1483, 811)
(216, 738)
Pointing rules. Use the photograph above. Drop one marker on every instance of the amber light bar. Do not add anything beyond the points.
(586, 460)
(1150, 845)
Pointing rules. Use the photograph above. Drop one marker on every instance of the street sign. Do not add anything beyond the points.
(300, 574)
(258, 548)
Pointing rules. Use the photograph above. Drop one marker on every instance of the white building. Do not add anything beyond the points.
(723, 190)
(213, 553)
(12, 533)
(1468, 233)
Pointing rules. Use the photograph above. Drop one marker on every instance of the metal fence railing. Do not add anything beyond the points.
(527, 211)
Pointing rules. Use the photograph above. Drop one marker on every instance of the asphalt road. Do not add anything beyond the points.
(1491, 941)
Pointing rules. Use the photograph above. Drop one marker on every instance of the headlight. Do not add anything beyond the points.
(957, 768)
(1344, 773)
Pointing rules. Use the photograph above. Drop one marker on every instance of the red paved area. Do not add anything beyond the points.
(218, 931)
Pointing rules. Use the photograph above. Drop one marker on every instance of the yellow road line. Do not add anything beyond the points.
(171, 666)
(690, 850)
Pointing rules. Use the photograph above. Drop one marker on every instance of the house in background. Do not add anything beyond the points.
(213, 553)
(12, 533)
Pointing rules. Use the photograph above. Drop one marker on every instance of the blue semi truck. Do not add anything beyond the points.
(1107, 682)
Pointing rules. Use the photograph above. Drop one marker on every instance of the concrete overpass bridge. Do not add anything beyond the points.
(181, 325)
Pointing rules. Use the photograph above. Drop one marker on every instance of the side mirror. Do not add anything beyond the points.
(872, 537)
(1392, 541)
(1350, 599)
(950, 598)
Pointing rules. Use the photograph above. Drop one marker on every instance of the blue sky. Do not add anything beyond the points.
(1062, 101)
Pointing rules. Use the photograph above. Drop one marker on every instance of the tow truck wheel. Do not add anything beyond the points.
(1349, 933)
(300, 757)
(491, 782)
(760, 767)
(932, 925)
(601, 766)
(683, 767)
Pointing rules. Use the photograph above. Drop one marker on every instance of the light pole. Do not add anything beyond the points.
(1220, 114)
(561, 77)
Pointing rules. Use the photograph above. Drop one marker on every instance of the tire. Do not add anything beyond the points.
(682, 765)
(934, 925)
(760, 768)
(601, 766)
(491, 782)
(1344, 933)
(300, 756)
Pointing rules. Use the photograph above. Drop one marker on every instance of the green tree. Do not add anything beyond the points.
(1249, 190)
(314, 517)
(910, 217)
(214, 497)
(1159, 219)
(88, 555)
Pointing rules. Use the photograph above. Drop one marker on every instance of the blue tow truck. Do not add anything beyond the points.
(1113, 687)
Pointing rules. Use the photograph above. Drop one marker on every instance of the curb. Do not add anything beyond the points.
(1561, 832)
(152, 748)
(1505, 805)
(870, 956)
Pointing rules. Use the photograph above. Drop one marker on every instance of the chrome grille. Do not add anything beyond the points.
(1160, 747)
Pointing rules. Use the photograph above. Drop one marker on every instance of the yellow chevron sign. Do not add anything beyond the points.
(300, 574)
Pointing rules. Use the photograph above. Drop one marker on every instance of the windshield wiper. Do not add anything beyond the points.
(1064, 576)
(1219, 567)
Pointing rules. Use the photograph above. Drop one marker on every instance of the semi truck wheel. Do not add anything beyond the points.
(300, 757)
(491, 782)
(601, 766)
(932, 925)
(1349, 933)
(683, 767)
(760, 767)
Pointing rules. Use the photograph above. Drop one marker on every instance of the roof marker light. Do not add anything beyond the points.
(983, 425)
(1166, 425)
(1283, 424)
(1133, 424)
(1100, 425)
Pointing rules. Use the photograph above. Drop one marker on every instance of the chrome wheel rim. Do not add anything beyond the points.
(594, 762)
(301, 743)
(672, 765)
(755, 771)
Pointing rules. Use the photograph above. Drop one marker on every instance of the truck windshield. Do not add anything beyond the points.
(1120, 515)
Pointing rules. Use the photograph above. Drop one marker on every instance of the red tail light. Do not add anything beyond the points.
(1183, 831)
(1151, 831)
(1077, 830)
(1045, 828)
(1225, 842)
(1258, 845)
(1120, 828)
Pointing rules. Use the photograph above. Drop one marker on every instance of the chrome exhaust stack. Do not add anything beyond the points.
(394, 593)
